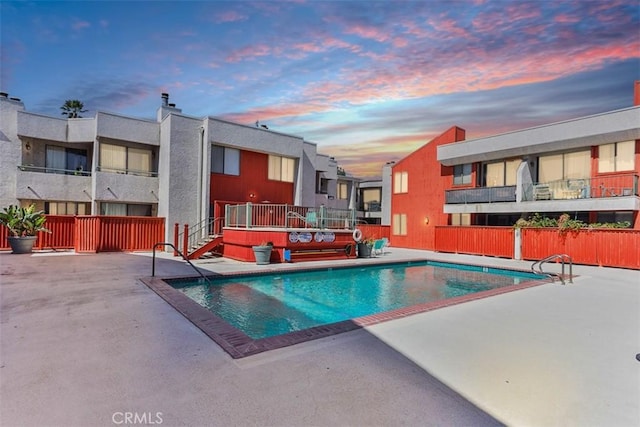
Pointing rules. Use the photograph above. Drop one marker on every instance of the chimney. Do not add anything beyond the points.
(165, 99)
(636, 92)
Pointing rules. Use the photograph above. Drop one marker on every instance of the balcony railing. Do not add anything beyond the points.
(618, 185)
(127, 171)
(587, 188)
(40, 169)
(266, 215)
(481, 195)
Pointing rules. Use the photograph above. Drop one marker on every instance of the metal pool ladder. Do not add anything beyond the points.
(564, 258)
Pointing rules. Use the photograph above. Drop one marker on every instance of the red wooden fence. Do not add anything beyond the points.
(62, 233)
(375, 231)
(97, 233)
(475, 240)
(604, 247)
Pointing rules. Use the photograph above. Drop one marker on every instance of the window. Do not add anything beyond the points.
(557, 167)
(120, 159)
(461, 219)
(399, 224)
(324, 186)
(70, 161)
(462, 174)
(371, 199)
(281, 168)
(498, 174)
(225, 160)
(342, 191)
(66, 208)
(401, 182)
(138, 161)
(124, 209)
(615, 157)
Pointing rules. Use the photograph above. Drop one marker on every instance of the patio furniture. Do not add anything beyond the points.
(378, 247)
(541, 192)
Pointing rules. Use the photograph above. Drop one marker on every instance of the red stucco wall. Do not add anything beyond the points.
(251, 181)
(427, 182)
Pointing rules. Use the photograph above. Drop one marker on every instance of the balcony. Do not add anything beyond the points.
(618, 185)
(614, 192)
(39, 183)
(40, 169)
(481, 195)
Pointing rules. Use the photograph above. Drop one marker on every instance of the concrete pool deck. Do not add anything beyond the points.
(84, 342)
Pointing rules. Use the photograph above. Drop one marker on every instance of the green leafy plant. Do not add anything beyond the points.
(23, 222)
(565, 223)
(368, 240)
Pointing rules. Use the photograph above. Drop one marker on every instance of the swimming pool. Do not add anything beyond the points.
(288, 307)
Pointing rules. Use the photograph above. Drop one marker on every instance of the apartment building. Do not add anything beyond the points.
(587, 167)
(179, 167)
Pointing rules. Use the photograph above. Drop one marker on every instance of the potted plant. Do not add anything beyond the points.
(23, 225)
(364, 247)
(262, 252)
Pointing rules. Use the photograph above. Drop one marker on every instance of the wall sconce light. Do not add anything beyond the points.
(252, 195)
(426, 220)
(27, 146)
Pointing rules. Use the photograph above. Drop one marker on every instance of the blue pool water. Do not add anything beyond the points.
(268, 305)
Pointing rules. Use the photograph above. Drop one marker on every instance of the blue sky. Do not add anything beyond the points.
(368, 81)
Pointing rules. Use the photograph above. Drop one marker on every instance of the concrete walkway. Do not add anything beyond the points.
(84, 343)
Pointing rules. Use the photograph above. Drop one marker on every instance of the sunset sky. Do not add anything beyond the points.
(368, 81)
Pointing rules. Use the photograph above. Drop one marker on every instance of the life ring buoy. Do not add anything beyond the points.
(357, 235)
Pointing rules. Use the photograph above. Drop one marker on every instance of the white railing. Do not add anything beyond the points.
(266, 215)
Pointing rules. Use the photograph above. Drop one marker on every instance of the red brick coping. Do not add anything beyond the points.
(238, 344)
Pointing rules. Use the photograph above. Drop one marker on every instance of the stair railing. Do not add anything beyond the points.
(197, 231)
(153, 264)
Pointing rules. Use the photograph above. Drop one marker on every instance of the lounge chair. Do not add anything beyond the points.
(378, 247)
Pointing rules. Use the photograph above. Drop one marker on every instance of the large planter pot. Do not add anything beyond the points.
(364, 250)
(21, 245)
(262, 254)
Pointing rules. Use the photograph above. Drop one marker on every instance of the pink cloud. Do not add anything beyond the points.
(522, 11)
(566, 19)
(489, 71)
(249, 52)
(229, 16)
(368, 32)
(80, 25)
(448, 28)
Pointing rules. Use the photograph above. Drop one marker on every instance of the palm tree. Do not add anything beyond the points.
(72, 108)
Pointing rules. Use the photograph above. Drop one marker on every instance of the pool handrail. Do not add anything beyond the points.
(564, 258)
(153, 265)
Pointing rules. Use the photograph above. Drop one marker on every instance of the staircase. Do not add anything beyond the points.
(207, 248)
(197, 246)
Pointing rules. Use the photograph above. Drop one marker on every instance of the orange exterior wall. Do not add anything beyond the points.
(427, 182)
(252, 180)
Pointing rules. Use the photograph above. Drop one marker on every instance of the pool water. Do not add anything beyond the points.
(263, 306)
